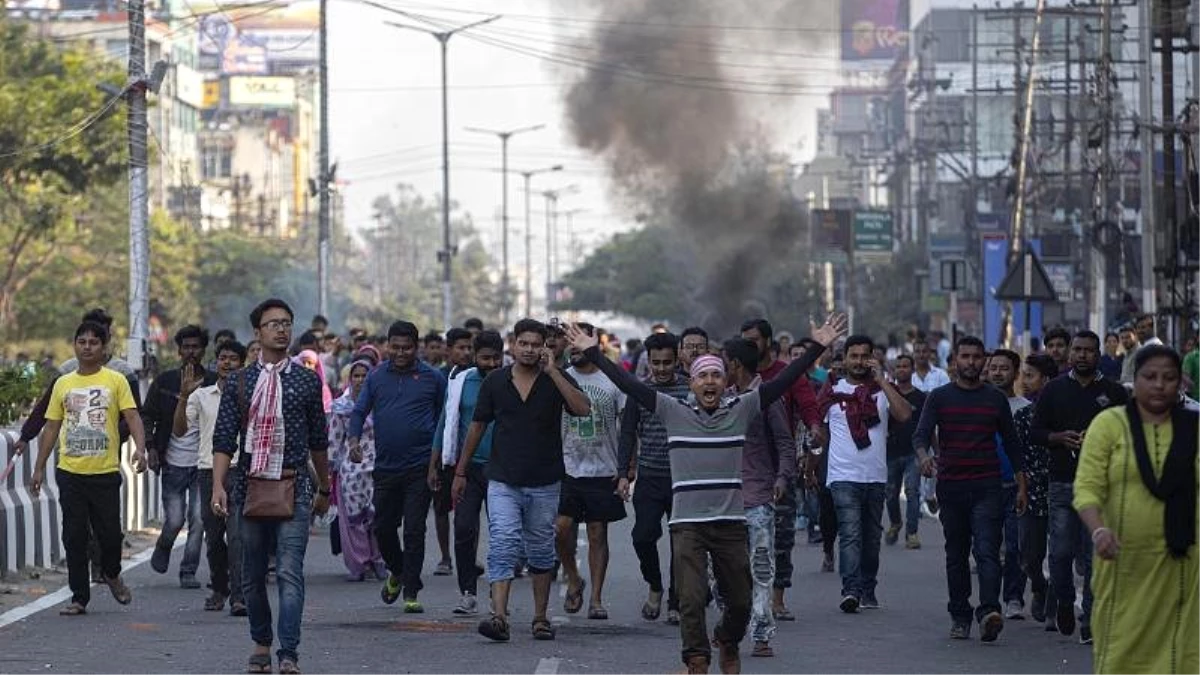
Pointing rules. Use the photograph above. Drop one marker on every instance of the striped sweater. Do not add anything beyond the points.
(639, 425)
(706, 446)
(968, 422)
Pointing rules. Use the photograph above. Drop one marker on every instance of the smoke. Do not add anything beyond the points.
(673, 105)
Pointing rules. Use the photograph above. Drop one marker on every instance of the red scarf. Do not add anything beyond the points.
(861, 411)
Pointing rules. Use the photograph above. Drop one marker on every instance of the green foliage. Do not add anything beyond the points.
(19, 389)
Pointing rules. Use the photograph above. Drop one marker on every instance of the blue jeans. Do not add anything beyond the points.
(760, 527)
(903, 471)
(1013, 576)
(291, 542)
(1069, 544)
(859, 529)
(180, 499)
(971, 522)
(520, 525)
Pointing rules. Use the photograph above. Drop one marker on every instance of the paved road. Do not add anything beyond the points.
(348, 630)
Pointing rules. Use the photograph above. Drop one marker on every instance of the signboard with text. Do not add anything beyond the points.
(872, 236)
(262, 92)
(874, 29)
(831, 234)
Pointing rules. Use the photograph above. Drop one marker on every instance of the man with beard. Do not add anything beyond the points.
(1065, 409)
(196, 416)
(1057, 341)
(1129, 344)
(902, 463)
(461, 398)
(967, 415)
(643, 434)
(177, 456)
(589, 489)
(708, 521)
(1002, 374)
(525, 401)
(856, 413)
(693, 343)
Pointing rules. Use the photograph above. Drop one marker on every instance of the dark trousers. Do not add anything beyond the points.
(402, 499)
(859, 527)
(1033, 531)
(971, 522)
(93, 500)
(1013, 589)
(785, 536)
(903, 472)
(222, 541)
(651, 503)
(727, 545)
(828, 518)
(1070, 545)
(466, 528)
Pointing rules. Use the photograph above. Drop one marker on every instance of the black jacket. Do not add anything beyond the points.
(158, 413)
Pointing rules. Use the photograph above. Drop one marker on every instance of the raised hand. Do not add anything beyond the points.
(191, 381)
(579, 339)
(835, 326)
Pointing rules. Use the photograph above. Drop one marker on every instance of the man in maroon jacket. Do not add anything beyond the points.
(801, 404)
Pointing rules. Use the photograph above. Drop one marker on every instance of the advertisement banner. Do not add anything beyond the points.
(189, 86)
(830, 234)
(254, 41)
(874, 29)
(262, 92)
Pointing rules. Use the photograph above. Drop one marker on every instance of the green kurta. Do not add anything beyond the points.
(1146, 617)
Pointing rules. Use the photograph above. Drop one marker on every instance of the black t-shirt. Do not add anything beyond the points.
(527, 436)
(900, 436)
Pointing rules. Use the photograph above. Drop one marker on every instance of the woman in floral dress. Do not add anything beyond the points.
(352, 486)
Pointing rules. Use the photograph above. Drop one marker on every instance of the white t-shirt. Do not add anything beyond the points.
(590, 443)
(846, 462)
(935, 378)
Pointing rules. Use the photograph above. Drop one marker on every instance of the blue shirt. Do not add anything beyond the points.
(406, 405)
(466, 413)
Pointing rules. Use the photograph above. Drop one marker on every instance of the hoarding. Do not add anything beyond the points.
(262, 92)
(874, 29)
(189, 86)
(257, 40)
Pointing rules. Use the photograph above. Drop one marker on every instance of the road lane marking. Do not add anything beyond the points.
(547, 666)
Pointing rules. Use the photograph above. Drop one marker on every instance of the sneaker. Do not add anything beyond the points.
(893, 534)
(391, 590)
(413, 606)
(188, 581)
(912, 542)
(672, 617)
(990, 627)
(467, 604)
(1066, 618)
(827, 563)
(960, 630)
(119, 590)
(1085, 635)
(443, 569)
(869, 601)
(1013, 610)
(160, 560)
(849, 604)
(932, 505)
(1037, 608)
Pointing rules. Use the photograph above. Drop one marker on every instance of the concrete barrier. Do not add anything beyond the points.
(30, 528)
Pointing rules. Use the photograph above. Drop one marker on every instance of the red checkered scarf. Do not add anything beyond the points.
(265, 428)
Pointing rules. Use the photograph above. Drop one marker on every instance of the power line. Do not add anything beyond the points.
(73, 131)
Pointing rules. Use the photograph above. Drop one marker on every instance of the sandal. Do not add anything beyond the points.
(259, 663)
(598, 613)
(214, 602)
(574, 600)
(783, 614)
(120, 591)
(73, 609)
(494, 628)
(237, 609)
(287, 665)
(543, 629)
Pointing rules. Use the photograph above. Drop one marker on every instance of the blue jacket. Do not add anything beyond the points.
(466, 413)
(406, 407)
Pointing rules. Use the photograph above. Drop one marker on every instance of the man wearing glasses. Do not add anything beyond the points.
(693, 343)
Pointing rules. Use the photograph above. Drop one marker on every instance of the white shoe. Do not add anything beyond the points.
(1014, 610)
(467, 605)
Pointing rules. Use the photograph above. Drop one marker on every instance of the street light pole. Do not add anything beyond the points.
(528, 176)
(446, 255)
(506, 290)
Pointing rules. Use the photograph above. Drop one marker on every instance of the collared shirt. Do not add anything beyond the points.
(527, 436)
(1067, 405)
(202, 408)
(900, 436)
(158, 416)
(936, 377)
(406, 405)
(305, 429)
(1037, 463)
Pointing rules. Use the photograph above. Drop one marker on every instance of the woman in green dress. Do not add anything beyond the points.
(1136, 493)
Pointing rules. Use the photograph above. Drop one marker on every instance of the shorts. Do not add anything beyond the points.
(590, 500)
(442, 501)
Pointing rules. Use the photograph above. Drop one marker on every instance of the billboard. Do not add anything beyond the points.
(189, 86)
(830, 234)
(262, 92)
(874, 29)
(254, 40)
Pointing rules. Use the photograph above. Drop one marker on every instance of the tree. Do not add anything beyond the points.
(60, 138)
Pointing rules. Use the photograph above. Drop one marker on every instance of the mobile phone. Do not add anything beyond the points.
(555, 322)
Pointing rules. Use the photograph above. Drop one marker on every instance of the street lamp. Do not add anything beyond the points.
(551, 230)
(528, 175)
(446, 255)
(506, 292)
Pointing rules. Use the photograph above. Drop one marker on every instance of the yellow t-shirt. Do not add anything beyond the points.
(89, 407)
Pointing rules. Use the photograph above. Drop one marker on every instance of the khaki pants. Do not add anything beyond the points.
(726, 543)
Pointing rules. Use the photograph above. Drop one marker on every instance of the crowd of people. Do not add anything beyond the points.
(1079, 459)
